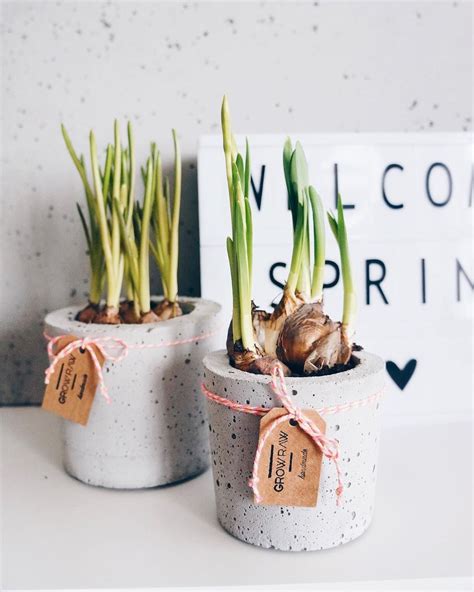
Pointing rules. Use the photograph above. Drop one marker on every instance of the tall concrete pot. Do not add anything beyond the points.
(234, 438)
(154, 431)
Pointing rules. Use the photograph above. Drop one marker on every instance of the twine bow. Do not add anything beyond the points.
(328, 446)
(91, 345)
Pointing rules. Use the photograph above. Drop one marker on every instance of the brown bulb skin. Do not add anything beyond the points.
(167, 310)
(128, 313)
(88, 314)
(108, 316)
(267, 364)
(149, 317)
(310, 341)
(255, 362)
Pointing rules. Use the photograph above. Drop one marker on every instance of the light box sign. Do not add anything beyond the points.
(408, 208)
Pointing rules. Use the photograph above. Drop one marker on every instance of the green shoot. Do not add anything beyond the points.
(242, 262)
(104, 199)
(296, 174)
(319, 245)
(304, 279)
(119, 229)
(102, 218)
(134, 221)
(338, 228)
(144, 257)
(132, 172)
(236, 333)
(299, 241)
(165, 221)
(229, 150)
(95, 259)
(117, 255)
(91, 228)
(240, 246)
(292, 198)
(172, 279)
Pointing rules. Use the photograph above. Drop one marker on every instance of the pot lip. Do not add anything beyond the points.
(65, 319)
(369, 365)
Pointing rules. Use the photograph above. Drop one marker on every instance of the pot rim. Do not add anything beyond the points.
(369, 364)
(65, 319)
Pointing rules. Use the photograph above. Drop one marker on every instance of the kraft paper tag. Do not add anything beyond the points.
(73, 384)
(290, 462)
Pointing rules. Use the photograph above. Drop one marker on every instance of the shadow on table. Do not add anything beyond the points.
(195, 496)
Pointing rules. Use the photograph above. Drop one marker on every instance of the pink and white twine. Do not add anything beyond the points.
(108, 347)
(329, 447)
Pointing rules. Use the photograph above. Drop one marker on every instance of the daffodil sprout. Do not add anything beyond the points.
(297, 334)
(338, 227)
(120, 232)
(165, 224)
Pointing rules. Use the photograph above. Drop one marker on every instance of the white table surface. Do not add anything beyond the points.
(60, 533)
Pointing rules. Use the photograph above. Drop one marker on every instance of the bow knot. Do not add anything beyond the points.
(104, 345)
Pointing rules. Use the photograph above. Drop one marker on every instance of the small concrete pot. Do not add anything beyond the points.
(154, 431)
(234, 439)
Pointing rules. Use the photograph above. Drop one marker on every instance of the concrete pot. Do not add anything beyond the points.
(154, 431)
(234, 438)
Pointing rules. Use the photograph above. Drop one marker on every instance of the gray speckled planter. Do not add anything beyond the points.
(154, 431)
(234, 437)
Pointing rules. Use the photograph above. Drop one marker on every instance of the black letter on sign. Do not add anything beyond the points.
(346, 206)
(459, 271)
(273, 279)
(384, 195)
(423, 282)
(336, 274)
(258, 193)
(439, 204)
(376, 283)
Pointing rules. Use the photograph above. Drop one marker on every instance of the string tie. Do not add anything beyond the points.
(329, 447)
(112, 349)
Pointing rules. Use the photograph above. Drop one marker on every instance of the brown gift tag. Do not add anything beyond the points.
(290, 463)
(73, 384)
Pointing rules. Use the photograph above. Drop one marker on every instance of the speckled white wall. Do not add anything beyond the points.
(287, 66)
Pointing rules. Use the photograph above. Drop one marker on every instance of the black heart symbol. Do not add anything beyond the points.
(402, 376)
